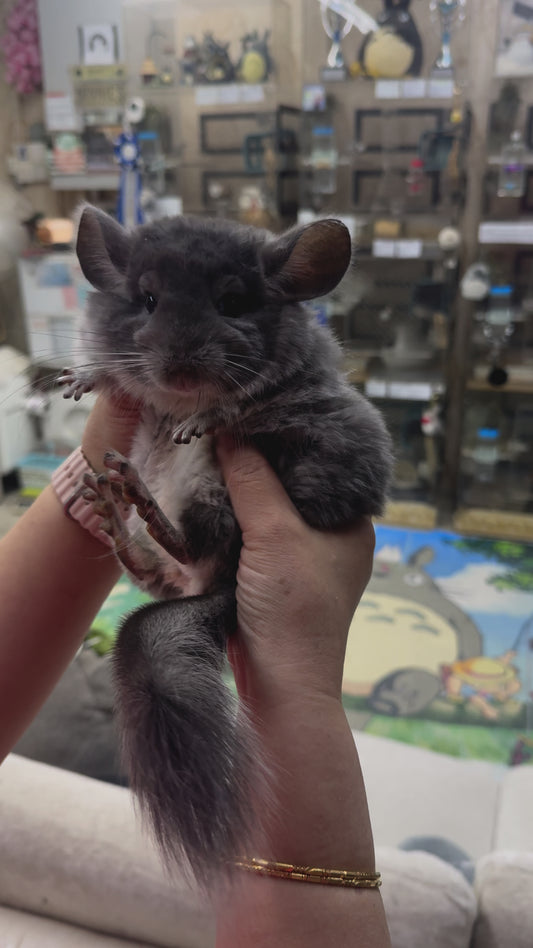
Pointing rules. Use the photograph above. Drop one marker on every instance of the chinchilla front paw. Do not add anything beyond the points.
(194, 427)
(76, 383)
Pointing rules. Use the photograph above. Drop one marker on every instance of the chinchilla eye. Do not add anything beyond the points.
(232, 305)
(150, 302)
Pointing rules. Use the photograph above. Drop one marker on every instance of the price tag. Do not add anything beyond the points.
(409, 391)
(376, 388)
(414, 88)
(384, 248)
(440, 88)
(60, 113)
(387, 89)
(408, 249)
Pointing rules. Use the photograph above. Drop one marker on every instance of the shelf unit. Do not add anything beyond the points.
(359, 112)
(377, 128)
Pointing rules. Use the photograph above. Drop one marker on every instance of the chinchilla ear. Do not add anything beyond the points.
(308, 261)
(103, 249)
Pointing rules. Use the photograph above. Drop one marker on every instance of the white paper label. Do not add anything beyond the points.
(440, 88)
(408, 249)
(376, 388)
(414, 88)
(387, 89)
(384, 248)
(60, 112)
(229, 94)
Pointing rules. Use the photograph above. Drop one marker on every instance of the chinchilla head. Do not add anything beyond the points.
(199, 309)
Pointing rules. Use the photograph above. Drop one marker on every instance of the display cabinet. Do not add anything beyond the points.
(388, 155)
(226, 77)
(217, 81)
(494, 485)
(267, 112)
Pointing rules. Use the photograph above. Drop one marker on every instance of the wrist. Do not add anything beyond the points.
(68, 486)
(319, 812)
(112, 423)
(264, 685)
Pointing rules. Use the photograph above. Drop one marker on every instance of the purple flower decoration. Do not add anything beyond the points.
(20, 44)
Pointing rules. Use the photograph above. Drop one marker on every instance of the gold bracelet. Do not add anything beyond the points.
(283, 870)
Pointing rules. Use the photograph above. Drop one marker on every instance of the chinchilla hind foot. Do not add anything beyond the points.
(190, 755)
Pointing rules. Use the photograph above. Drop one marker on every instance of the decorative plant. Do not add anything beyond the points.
(20, 44)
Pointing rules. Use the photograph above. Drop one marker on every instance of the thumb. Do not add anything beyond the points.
(252, 484)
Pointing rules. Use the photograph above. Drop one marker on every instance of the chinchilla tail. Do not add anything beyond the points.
(190, 755)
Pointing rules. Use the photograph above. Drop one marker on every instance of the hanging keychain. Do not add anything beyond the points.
(128, 155)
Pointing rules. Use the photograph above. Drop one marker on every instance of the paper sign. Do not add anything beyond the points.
(414, 88)
(376, 388)
(384, 248)
(388, 89)
(60, 113)
(440, 88)
(410, 391)
(229, 94)
(408, 249)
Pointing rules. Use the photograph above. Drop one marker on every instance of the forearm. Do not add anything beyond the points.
(319, 817)
(53, 578)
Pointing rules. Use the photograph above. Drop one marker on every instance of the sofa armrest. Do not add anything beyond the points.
(427, 901)
(34, 931)
(504, 886)
(514, 826)
(417, 792)
(72, 849)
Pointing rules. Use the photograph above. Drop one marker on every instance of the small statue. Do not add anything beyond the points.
(214, 62)
(394, 50)
(190, 61)
(255, 64)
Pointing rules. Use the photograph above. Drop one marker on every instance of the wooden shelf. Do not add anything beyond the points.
(404, 513)
(517, 387)
(494, 523)
(86, 181)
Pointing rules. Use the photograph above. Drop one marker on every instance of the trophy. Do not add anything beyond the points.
(336, 27)
(450, 13)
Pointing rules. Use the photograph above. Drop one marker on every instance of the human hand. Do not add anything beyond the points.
(111, 424)
(297, 588)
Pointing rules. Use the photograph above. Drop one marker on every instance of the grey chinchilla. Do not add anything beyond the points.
(204, 323)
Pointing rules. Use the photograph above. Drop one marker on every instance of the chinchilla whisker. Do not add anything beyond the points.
(241, 356)
(245, 368)
(239, 385)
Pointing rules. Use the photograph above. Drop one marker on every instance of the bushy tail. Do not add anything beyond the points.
(189, 754)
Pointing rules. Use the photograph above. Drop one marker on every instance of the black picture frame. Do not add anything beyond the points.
(526, 204)
(374, 148)
(360, 173)
(209, 119)
(283, 132)
(528, 133)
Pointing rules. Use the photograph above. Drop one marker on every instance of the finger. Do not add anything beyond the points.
(252, 484)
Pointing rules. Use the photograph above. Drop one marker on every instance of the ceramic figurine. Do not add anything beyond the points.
(189, 62)
(214, 62)
(394, 50)
(255, 64)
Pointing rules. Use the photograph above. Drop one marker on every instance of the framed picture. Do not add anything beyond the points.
(98, 44)
(314, 98)
(514, 55)
(397, 129)
(366, 182)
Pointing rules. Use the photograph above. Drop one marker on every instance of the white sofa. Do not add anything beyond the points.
(76, 870)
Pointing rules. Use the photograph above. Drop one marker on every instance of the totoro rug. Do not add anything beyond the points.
(440, 651)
